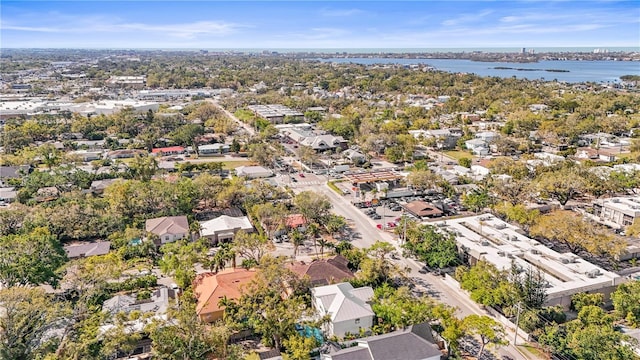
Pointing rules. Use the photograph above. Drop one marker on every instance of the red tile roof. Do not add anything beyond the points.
(209, 288)
(168, 149)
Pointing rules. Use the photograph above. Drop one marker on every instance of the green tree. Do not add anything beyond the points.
(476, 199)
(560, 185)
(423, 180)
(465, 161)
(313, 206)
(182, 336)
(178, 259)
(143, 168)
(263, 308)
(187, 135)
(626, 300)
(489, 331)
(28, 315)
(251, 246)
(580, 300)
(436, 249)
(398, 308)
(299, 348)
(30, 259)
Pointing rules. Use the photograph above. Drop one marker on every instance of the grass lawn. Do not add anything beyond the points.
(228, 165)
(539, 354)
(457, 154)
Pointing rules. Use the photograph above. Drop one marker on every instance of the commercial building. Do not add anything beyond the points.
(620, 211)
(485, 237)
(276, 113)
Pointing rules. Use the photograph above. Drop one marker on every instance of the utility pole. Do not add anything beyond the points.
(515, 337)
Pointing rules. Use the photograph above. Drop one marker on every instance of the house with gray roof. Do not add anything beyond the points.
(412, 343)
(348, 308)
(88, 249)
(168, 228)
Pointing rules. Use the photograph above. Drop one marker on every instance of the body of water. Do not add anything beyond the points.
(576, 71)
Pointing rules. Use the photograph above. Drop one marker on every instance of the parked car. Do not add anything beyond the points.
(301, 175)
(379, 226)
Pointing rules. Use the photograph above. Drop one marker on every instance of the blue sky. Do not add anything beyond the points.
(327, 24)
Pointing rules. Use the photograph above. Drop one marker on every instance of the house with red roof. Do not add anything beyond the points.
(210, 288)
(171, 150)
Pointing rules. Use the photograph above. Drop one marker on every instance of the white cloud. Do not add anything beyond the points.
(340, 12)
(467, 18)
(87, 25)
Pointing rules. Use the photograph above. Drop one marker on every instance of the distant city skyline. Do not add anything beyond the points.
(320, 25)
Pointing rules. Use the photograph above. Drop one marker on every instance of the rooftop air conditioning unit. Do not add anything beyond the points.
(565, 260)
(614, 200)
(500, 226)
(514, 238)
(485, 243)
(592, 274)
(535, 251)
(501, 253)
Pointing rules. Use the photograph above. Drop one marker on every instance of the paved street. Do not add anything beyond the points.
(366, 233)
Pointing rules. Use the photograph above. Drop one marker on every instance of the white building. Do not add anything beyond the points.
(477, 146)
(621, 211)
(253, 172)
(485, 237)
(224, 228)
(348, 308)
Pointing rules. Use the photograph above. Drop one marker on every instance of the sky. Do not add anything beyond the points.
(319, 24)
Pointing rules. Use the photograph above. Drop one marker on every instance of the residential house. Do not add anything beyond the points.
(213, 149)
(291, 222)
(168, 229)
(253, 172)
(414, 342)
(348, 308)
(125, 154)
(88, 249)
(155, 308)
(171, 150)
(8, 195)
(322, 272)
(477, 146)
(210, 288)
(488, 136)
(354, 156)
(86, 155)
(224, 228)
(98, 186)
(13, 172)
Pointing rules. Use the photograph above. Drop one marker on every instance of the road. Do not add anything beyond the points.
(428, 284)
(366, 233)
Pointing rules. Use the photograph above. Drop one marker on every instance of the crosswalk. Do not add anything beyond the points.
(307, 183)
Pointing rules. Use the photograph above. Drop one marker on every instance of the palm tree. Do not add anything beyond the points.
(297, 239)
(312, 231)
(322, 242)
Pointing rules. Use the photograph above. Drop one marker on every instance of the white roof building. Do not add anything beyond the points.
(485, 237)
(224, 228)
(348, 308)
(253, 172)
(621, 211)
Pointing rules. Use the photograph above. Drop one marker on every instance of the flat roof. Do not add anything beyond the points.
(491, 239)
(369, 177)
(629, 205)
